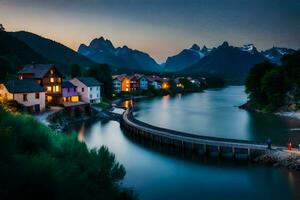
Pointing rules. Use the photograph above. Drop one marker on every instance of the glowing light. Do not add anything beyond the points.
(165, 85)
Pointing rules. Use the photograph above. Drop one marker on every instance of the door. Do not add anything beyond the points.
(37, 108)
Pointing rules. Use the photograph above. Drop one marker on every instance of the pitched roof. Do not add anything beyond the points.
(67, 84)
(38, 70)
(23, 86)
(119, 77)
(89, 81)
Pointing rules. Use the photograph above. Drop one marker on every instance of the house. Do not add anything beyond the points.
(89, 89)
(155, 82)
(27, 92)
(117, 82)
(69, 92)
(125, 85)
(142, 82)
(47, 76)
(134, 84)
(165, 85)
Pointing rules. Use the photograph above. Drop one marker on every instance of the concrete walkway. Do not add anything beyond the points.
(42, 117)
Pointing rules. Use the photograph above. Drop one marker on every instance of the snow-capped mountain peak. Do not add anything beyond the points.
(249, 48)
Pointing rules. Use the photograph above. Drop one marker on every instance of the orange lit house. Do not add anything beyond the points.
(125, 85)
(47, 76)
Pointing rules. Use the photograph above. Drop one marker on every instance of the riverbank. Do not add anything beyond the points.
(284, 111)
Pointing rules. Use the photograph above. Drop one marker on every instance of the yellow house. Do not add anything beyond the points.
(27, 92)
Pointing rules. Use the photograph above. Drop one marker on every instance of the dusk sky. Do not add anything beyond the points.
(159, 27)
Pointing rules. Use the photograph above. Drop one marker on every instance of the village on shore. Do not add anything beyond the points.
(39, 86)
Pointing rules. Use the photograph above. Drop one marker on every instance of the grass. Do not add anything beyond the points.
(105, 103)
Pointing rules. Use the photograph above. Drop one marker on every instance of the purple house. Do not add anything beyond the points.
(69, 92)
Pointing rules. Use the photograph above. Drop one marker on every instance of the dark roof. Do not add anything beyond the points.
(67, 84)
(38, 70)
(23, 86)
(89, 81)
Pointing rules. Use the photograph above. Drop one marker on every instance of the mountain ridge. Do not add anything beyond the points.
(102, 51)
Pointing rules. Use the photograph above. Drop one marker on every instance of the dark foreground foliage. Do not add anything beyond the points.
(271, 87)
(38, 163)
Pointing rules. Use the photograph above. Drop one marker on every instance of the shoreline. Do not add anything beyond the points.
(288, 114)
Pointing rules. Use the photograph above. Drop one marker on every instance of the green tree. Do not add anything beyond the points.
(75, 71)
(274, 87)
(102, 73)
(254, 83)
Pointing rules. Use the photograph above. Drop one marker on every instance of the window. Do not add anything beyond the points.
(55, 88)
(68, 89)
(59, 80)
(21, 77)
(49, 89)
(51, 71)
(91, 96)
(37, 95)
(97, 95)
(74, 98)
(91, 88)
(52, 80)
(24, 97)
(82, 89)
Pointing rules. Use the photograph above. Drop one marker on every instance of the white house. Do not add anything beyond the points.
(89, 89)
(27, 92)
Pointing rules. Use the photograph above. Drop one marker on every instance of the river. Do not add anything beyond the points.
(155, 174)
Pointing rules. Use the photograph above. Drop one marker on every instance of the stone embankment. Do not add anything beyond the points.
(280, 158)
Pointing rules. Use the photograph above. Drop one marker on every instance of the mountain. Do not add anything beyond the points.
(15, 53)
(102, 51)
(185, 58)
(249, 48)
(276, 53)
(53, 51)
(232, 63)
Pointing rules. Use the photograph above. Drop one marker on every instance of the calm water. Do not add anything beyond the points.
(215, 113)
(157, 175)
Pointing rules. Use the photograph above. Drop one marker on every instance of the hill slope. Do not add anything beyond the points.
(51, 50)
(15, 53)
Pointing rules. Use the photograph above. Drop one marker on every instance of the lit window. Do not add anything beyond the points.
(51, 71)
(37, 95)
(59, 80)
(74, 98)
(21, 77)
(55, 88)
(49, 89)
(51, 80)
(24, 97)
